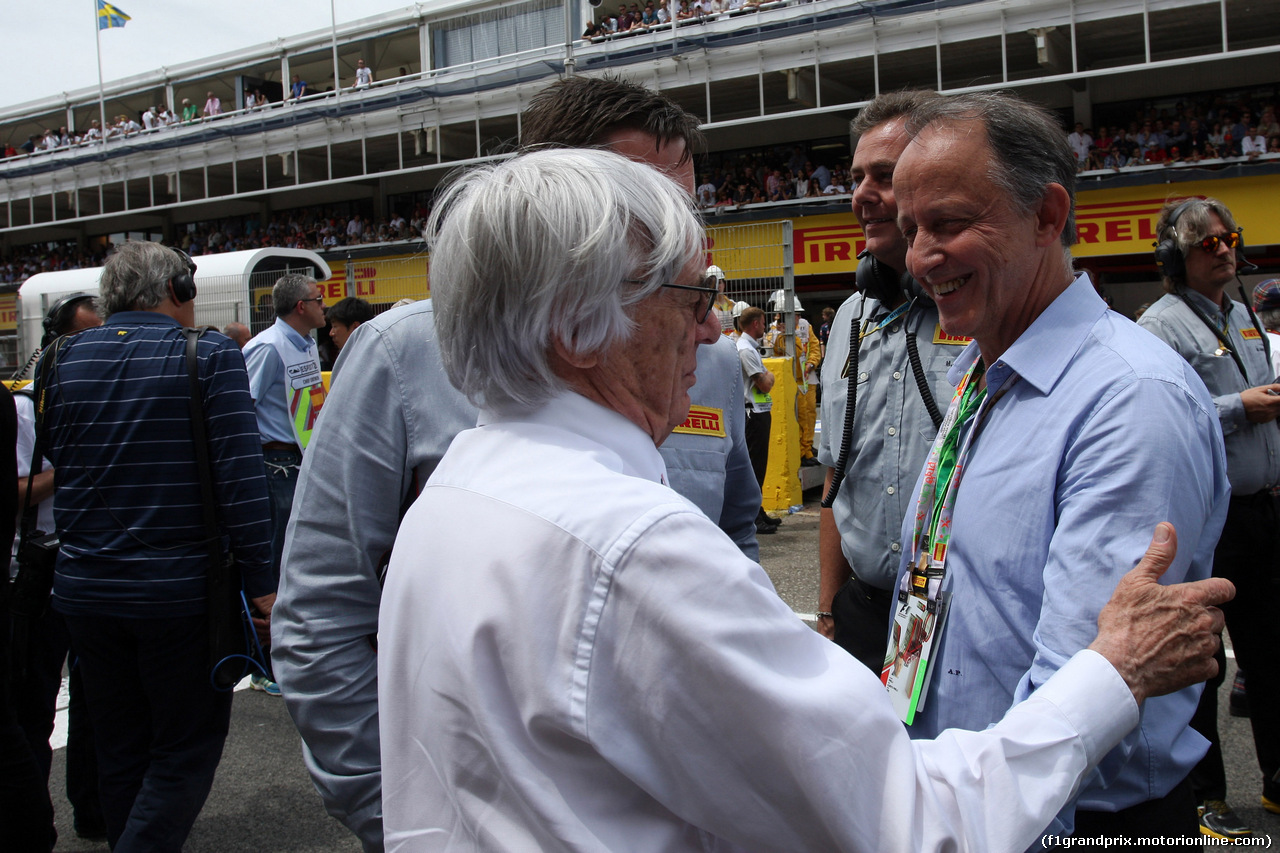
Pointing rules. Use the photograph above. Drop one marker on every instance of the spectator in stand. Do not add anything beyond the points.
(1217, 141)
(1197, 138)
(1177, 137)
(706, 192)
(1116, 159)
(1080, 142)
(650, 16)
(623, 18)
(149, 118)
(364, 75)
(298, 88)
(212, 106)
(592, 31)
(664, 12)
(1273, 145)
(190, 112)
(1253, 143)
(128, 127)
(822, 173)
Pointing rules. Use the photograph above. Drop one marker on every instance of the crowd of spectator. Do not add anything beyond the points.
(1188, 133)
(633, 19)
(156, 118)
(780, 174)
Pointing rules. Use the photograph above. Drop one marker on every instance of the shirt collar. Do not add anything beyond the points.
(1206, 304)
(121, 318)
(301, 342)
(632, 450)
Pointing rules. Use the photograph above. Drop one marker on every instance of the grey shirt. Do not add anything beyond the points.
(1253, 450)
(390, 415)
(892, 431)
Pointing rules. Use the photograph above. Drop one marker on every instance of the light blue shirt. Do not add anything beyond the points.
(266, 379)
(1103, 433)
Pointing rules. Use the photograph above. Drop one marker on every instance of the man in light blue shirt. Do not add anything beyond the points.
(1062, 465)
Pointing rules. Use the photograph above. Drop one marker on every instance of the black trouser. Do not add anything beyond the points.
(1248, 555)
(1172, 815)
(757, 434)
(160, 723)
(35, 703)
(862, 614)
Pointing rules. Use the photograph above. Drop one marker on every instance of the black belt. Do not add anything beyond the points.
(280, 445)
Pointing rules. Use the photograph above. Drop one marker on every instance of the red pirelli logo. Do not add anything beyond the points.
(1250, 334)
(703, 420)
(941, 337)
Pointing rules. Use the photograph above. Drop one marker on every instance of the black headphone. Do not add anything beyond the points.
(1169, 258)
(184, 286)
(877, 280)
(60, 315)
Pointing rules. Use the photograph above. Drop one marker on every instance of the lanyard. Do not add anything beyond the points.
(897, 312)
(936, 503)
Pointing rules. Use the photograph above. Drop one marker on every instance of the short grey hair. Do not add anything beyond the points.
(1029, 149)
(290, 289)
(136, 276)
(557, 244)
(887, 107)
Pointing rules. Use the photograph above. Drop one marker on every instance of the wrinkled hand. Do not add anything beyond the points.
(1162, 638)
(262, 624)
(827, 627)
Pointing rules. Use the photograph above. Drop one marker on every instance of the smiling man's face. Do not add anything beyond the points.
(874, 161)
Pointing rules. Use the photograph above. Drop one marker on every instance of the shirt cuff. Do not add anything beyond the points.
(1095, 700)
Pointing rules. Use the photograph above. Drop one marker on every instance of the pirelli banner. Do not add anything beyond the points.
(1108, 222)
(380, 281)
(8, 312)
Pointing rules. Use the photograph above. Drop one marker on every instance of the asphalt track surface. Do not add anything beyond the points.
(263, 800)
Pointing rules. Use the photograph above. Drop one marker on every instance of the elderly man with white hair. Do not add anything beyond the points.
(573, 657)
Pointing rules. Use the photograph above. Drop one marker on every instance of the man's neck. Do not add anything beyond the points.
(1214, 293)
(298, 324)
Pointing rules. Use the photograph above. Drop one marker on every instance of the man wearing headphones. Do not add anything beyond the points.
(1199, 254)
(872, 470)
(132, 570)
(35, 697)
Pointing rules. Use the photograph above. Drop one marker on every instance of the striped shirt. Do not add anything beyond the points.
(127, 501)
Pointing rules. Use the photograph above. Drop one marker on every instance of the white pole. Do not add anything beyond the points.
(333, 21)
(102, 107)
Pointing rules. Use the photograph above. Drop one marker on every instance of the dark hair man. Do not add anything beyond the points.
(131, 570)
(345, 316)
(869, 476)
(627, 678)
(35, 696)
(1199, 254)
(1055, 445)
(355, 479)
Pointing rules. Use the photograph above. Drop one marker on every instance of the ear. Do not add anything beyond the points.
(1051, 217)
(563, 354)
(172, 294)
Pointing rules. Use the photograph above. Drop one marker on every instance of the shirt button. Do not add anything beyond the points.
(891, 490)
(893, 430)
(897, 374)
(862, 377)
(893, 328)
(895, 547)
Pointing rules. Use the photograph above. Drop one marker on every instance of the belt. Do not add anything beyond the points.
(280, 445)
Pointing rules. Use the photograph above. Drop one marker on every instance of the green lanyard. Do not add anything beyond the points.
(949, 454)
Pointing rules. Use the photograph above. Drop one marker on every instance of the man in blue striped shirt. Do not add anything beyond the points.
(131, 571)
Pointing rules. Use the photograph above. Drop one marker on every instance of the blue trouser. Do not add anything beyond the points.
(161, 724)
(282, 481)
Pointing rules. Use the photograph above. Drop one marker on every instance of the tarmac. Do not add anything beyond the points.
(263, 800)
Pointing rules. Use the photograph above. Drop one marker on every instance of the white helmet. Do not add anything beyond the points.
(739, 307)
(716, 271)
(779, 301)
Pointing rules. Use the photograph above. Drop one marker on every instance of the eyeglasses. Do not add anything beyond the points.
(710, 287)
(319, 300)
(1210, 243)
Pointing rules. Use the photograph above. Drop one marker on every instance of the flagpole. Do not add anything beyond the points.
(102, 106)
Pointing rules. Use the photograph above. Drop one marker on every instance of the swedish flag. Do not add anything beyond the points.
(109, 16)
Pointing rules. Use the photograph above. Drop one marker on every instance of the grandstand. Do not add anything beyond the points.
(451, 78)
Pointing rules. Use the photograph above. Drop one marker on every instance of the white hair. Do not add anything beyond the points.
(552, 245)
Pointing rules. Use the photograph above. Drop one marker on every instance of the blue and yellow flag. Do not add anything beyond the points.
(109, 16)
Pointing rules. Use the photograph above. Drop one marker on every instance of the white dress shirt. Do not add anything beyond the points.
(572, 657)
